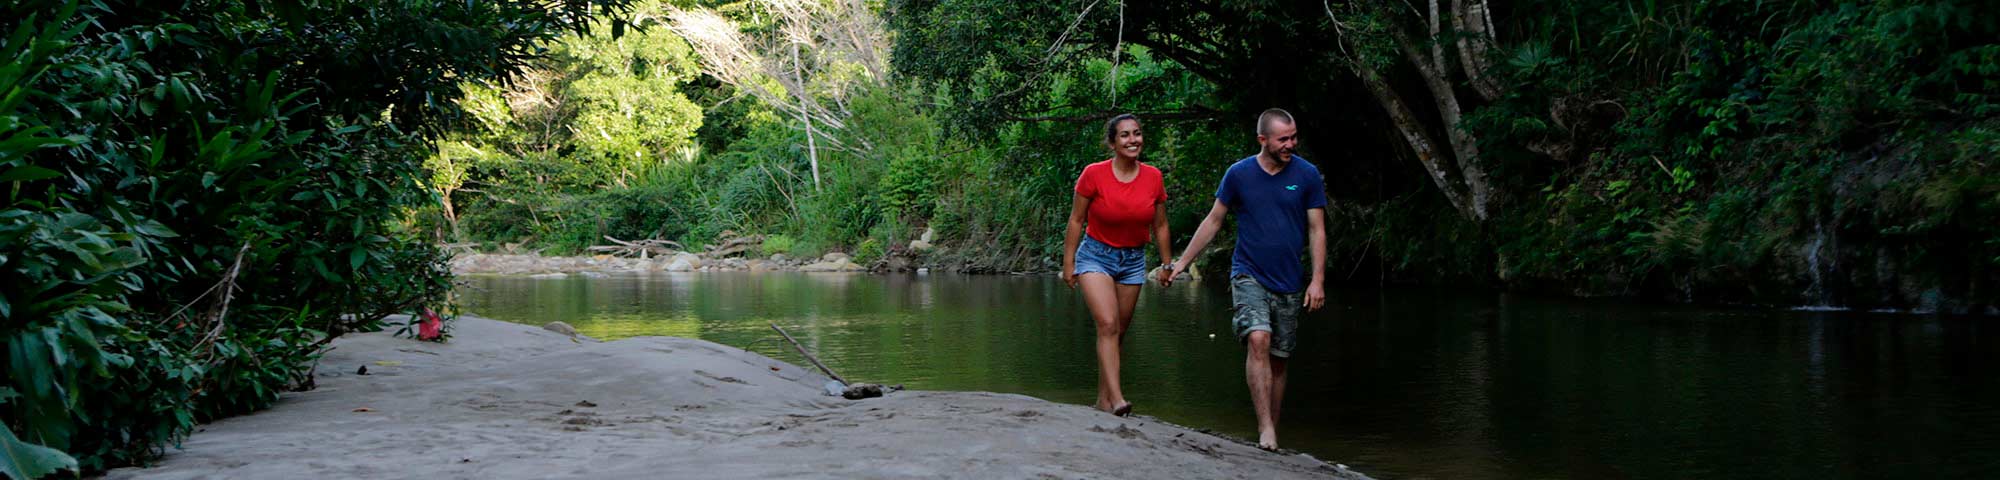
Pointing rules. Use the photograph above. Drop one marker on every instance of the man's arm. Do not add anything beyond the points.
(1316, 239)
(1165, 239)
(1202, 235)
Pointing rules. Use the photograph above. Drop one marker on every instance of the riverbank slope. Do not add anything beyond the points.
(503, 400)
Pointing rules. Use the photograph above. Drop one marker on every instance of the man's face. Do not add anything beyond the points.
(1279, 138)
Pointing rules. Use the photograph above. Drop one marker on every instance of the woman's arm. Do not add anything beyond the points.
(1072, 235)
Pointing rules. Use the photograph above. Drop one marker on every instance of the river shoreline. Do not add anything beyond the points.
(599, 265)
(509, 264)
(504, 400)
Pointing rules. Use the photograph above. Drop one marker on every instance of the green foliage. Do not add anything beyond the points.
(628, 107)
(1843, 136)
(1699, 149)
(868, 252)
(780, 244)
(26, 460)
(201, 195)
(596, 139)
(895, 167)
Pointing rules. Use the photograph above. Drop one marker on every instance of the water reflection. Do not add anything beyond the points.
(1404, 384)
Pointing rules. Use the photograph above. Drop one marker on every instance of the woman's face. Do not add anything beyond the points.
(1128, 141)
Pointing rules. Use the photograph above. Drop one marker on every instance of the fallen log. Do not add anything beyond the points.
(734, 246)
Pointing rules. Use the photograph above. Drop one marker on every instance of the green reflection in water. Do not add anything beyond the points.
(1402, 384)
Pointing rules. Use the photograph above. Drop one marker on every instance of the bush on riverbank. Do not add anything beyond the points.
(201, 194)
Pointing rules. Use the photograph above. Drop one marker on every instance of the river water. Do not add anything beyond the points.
(1394, 383)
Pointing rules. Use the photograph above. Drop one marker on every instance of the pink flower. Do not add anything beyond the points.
(431, 327)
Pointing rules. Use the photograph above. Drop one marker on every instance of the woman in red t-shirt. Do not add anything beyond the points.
(1123, 201)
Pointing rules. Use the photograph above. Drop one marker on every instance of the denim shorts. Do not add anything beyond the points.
(1260, 309)
(1124, 265)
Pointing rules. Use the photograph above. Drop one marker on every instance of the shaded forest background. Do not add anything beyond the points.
(201, 194)
(1812, 153)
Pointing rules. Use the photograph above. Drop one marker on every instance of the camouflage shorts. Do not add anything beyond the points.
(1260, 309)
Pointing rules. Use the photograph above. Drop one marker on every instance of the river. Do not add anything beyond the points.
(1431, 383)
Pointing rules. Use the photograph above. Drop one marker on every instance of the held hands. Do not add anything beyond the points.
(1315, 297)
(1068, 275)
(1166, 274)
(1172, 271)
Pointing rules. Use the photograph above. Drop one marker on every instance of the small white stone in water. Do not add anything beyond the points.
(1211, 335)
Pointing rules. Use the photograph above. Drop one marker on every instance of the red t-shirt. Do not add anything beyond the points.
(1120, 212)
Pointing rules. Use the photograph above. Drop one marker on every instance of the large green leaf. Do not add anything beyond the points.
(28, 173)
(25, 460)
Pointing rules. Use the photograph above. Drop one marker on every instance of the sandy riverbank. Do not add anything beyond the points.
(511, 401)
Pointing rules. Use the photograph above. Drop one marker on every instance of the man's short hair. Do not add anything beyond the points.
(1264, 119)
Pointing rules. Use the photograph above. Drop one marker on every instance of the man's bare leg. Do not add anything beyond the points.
(1277, 389)
(1257, 371)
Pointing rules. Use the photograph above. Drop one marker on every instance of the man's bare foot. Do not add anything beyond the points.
(1268, 441)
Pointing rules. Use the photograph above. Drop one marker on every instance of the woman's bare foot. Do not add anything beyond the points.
(1268, 441)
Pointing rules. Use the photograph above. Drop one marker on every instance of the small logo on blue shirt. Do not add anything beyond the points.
(1291, 187)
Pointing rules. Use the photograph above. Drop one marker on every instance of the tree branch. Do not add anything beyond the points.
(1200, 114)
(1474, 24)
(1186, 58)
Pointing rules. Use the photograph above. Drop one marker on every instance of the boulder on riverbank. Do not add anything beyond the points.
(503, 400)
(842, 265)
(560, 327)
(684, 262)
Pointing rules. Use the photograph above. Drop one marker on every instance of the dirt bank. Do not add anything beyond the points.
(510, 401)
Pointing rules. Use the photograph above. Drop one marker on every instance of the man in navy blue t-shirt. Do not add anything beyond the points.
(1280, 206)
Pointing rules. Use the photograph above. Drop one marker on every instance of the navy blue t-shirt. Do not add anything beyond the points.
(1271, 220)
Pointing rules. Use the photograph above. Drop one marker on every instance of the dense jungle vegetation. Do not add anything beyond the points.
(201, 193)
(1723, 151)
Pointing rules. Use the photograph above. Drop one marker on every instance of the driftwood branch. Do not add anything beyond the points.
(809, 355)
(639, 248)
(734, 246)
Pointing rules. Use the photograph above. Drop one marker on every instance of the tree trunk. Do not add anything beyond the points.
(1419, 140)
(1463, 144)
(812, 150)
(1406, 122)
(1474, 24)
(451, 216)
